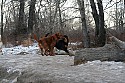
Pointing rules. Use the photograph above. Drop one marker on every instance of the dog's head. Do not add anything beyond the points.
(58, 35)
(66, 39)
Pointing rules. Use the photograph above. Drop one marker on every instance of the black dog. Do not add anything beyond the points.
(62, 44)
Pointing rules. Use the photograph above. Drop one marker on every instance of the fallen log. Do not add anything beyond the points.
(109, 52)
(117, 42)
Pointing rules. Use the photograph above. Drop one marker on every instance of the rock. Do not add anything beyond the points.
(8, 77)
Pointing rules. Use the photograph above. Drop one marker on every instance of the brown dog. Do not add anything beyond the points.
(46, 44)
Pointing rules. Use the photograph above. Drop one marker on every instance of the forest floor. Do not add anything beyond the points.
(34, 68)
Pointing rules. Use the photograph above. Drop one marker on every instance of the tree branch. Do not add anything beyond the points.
(112, 5)
(70, 19)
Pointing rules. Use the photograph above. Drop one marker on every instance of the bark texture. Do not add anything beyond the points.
(31, 16)
(117, 42)
(109, 52)
(84, 25)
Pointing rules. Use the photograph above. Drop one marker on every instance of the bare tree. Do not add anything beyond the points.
(95, 16)
(116, 14)
(124, 7)
(84, 26)
(100, 32)
(21, 27)
(31, 16)
(2, 21)
(60, 17)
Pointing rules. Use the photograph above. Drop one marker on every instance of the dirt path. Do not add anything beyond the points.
(58, 69)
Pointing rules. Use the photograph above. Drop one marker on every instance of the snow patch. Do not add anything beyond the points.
(20, 49)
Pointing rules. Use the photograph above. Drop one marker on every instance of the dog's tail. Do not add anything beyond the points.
(35, 37)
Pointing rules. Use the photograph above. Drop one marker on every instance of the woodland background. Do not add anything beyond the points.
(86, 21)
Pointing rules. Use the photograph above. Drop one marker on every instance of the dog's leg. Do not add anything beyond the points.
(51, 51)
(41, 48)
(65, 49)
(52, 48)
(42, 51)
(47, 52)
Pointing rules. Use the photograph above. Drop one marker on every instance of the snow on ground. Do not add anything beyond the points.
(34, 49)
(59, 66)
(19, 49)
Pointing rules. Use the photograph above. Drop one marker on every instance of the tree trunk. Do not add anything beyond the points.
(21, 29)
(2, 21)
(124, 9)
(102, 32)
(31, 16)
(96, 17)
(60, 17)
(55, 14)
(20, 32)
(116, 14)
(84, 26)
